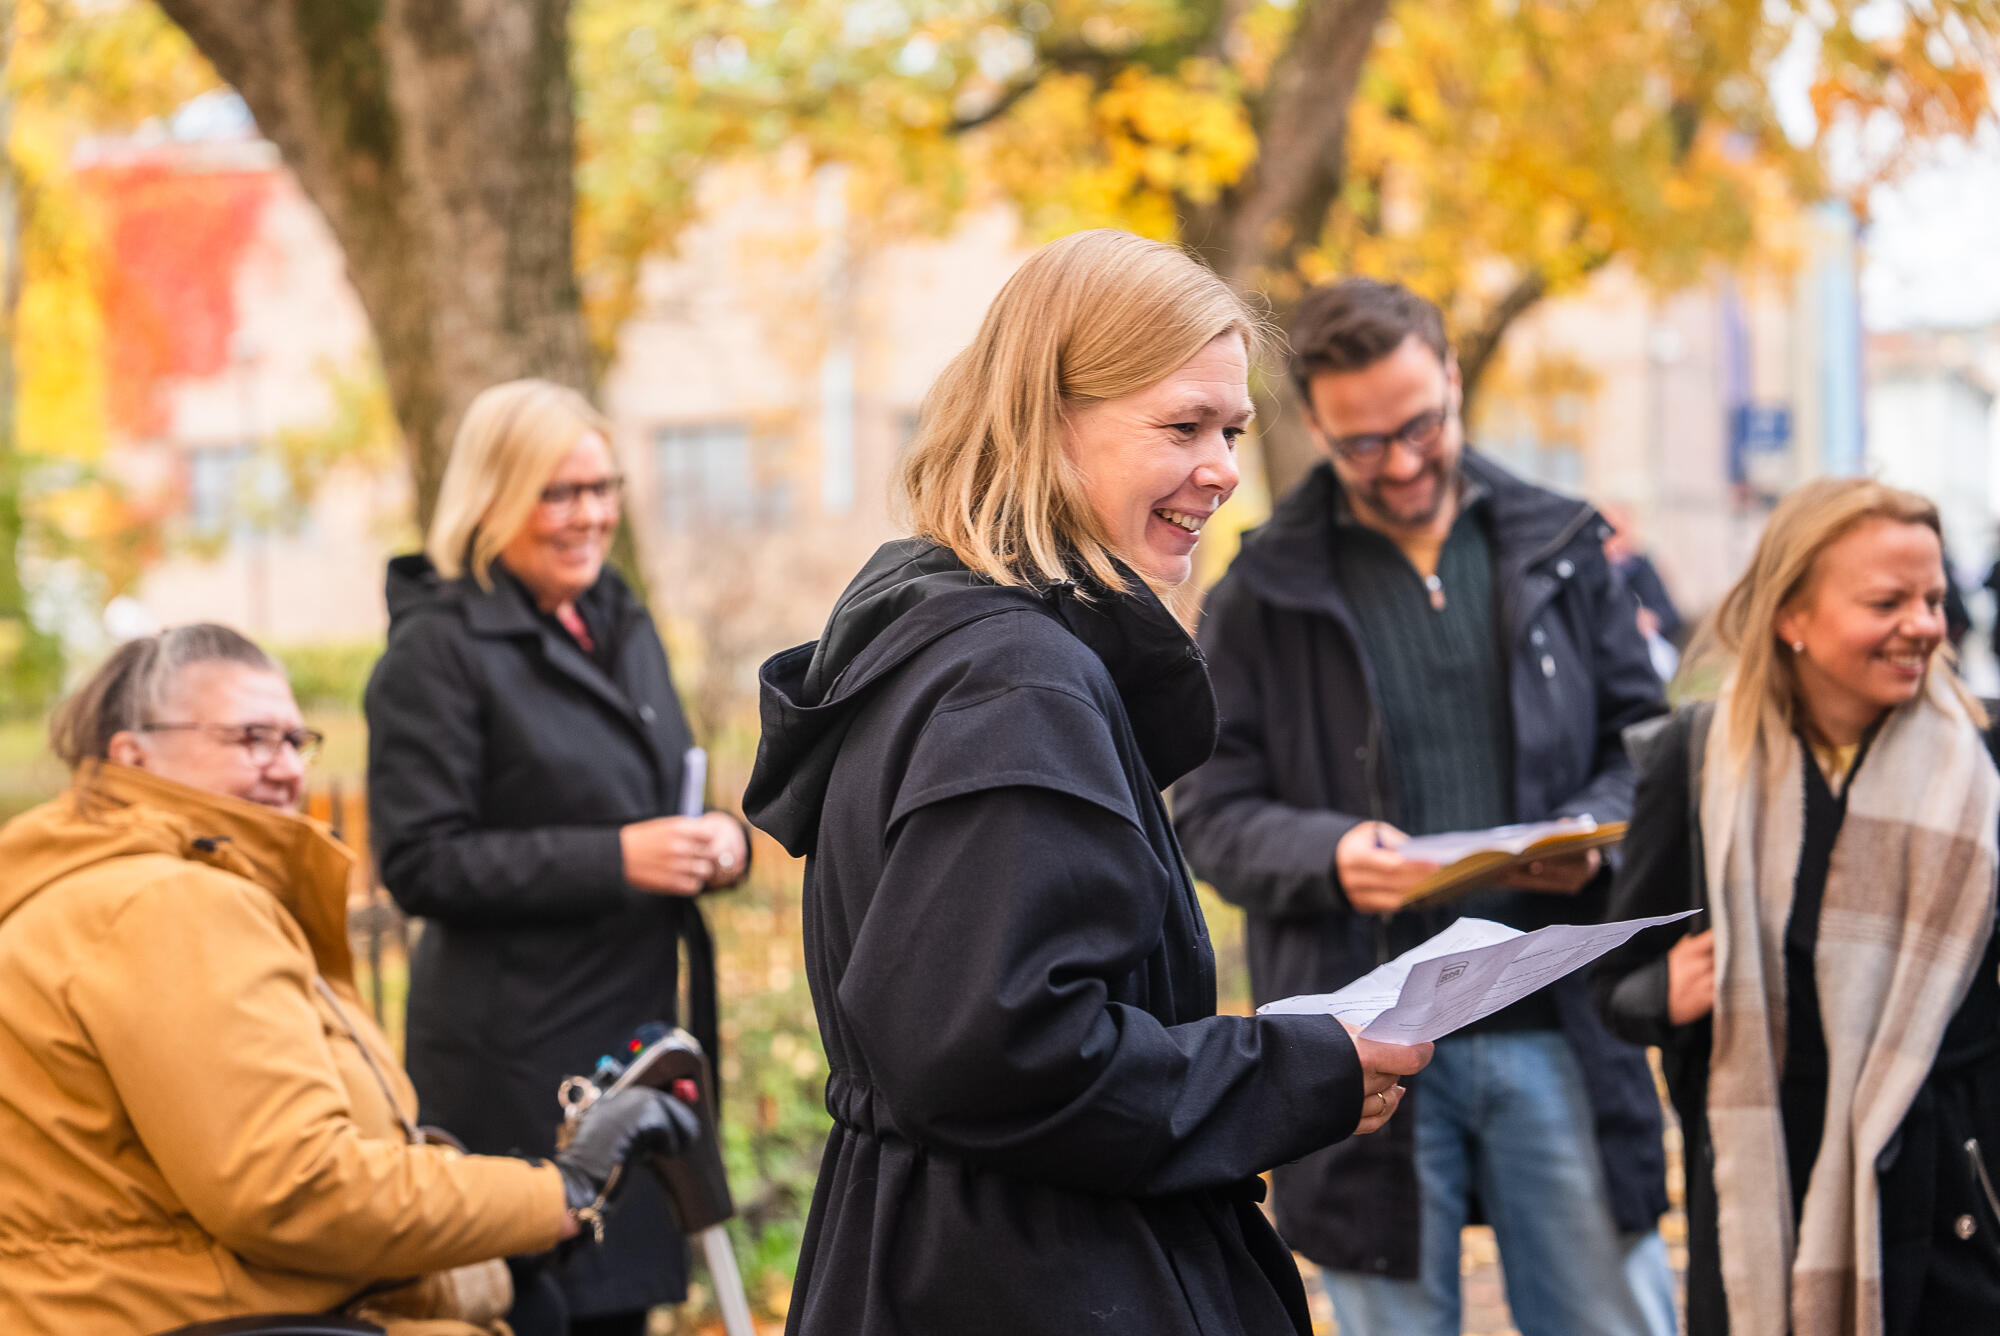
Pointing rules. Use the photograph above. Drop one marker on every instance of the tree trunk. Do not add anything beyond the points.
(1254, 233)
(437, 137)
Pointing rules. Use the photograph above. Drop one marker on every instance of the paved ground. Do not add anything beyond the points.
(1484, 1288)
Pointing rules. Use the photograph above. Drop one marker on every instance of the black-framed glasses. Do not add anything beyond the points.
(1421, 434)
(261, 741)
(564, 495)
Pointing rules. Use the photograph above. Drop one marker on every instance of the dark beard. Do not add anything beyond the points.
(1444, 486)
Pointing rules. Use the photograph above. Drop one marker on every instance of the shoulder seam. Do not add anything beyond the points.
(1055, 688)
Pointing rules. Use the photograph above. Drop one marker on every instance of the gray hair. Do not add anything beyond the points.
(131, 687)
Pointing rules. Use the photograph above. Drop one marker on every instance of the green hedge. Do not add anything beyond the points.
(331, 675)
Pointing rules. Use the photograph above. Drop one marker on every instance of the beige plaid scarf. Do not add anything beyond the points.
(1908, 908)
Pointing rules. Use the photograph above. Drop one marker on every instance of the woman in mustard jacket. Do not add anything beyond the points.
(198, 1119)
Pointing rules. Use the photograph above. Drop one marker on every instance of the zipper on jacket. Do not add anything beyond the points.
(1517, 617)
(1374, 745)
(1979, 1173)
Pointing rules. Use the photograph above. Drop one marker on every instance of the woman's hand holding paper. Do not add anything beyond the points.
(1381, 1066)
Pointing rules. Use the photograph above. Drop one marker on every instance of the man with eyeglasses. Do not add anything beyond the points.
(1417, 642)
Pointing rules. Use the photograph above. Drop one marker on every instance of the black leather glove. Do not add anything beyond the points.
(634, 1121)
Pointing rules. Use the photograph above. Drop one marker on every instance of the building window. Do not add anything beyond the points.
(234, 491)
(716, 475)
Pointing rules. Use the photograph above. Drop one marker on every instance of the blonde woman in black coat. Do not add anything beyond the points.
(525, 761)
(1040, 1123)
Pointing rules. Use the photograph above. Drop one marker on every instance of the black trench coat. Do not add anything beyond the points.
(501, 762)
(1040, 1125)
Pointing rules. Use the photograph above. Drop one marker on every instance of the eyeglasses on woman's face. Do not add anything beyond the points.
(564, 497)
(260, 742)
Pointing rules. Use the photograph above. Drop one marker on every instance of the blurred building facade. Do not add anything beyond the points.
(1931, 427)
(1693, 411)
(234, 337)
(774, 367)
(761, 392)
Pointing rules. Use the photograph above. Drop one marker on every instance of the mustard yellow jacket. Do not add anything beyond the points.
(188, 1129)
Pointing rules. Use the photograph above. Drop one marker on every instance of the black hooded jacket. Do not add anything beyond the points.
(1303, 757)
(502, 760)
(1040, 1123)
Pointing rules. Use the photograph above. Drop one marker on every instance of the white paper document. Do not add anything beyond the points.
(1465, 973)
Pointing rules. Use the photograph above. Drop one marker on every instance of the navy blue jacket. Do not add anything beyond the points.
(1302, 758)
(1040, 1123)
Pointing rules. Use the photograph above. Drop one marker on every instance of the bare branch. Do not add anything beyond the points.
(1002, 104)
(1477, 350)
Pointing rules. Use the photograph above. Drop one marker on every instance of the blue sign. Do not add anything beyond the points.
(1756, 429)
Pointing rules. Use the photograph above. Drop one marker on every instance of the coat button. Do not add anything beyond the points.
(1965, 1226)
(1361, 753)
(1538, 637)
(647, 713)
(1548, 665)
(1565, 568)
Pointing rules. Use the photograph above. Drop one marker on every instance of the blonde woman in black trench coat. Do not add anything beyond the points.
(525, 755)
(1040, 1123)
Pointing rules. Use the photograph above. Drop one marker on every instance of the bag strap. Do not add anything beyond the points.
(703, 1013)
(1701, 715)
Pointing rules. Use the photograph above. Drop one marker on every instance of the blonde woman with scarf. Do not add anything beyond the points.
(1831, 1026)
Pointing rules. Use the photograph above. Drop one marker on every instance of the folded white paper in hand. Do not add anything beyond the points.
(1465, 973)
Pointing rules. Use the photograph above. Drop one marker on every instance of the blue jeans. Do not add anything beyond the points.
(1506, 1113)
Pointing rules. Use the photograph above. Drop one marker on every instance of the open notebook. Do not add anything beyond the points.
(1468, 857)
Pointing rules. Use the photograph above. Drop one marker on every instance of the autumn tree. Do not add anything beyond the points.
(23, 648)
(1488, 154)
(69, 71)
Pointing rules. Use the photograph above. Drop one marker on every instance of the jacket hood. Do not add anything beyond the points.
(412, 583)
(1289, 560)
(116, 811)
(910, 594)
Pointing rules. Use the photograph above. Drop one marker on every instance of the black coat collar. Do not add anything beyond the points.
(1159, 673)
(909, 595)
(507, 611)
